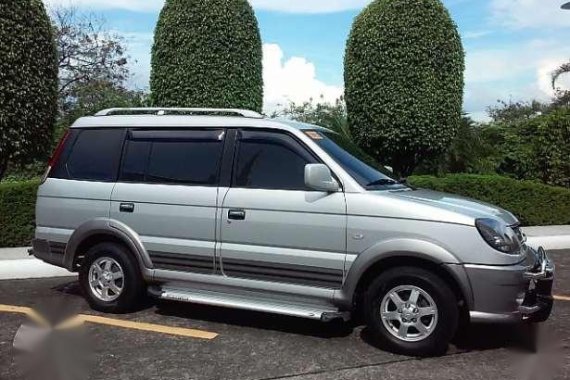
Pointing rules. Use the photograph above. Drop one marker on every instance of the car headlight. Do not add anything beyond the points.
(498, 235)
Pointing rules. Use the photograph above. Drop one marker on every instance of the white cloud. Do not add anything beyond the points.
(476, 34)
(293, 79)
(520, 72)
(519, 14)
(309, 6)
(544, 74)
(130, 5)
(139, 47)
(518, 59)
(291, 6)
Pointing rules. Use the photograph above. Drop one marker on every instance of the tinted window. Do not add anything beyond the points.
(359, 165)
(270, 161)
(135, 161)
(60, 168)
(95, 155)
(181, 157)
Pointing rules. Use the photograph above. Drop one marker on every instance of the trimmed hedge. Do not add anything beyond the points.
(207, 53)
(403, 73)
(535, 204)
(17, 213)
(28, 82)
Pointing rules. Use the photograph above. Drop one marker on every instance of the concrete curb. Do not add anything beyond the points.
(550, 243)
(15, 263)
(549, 237)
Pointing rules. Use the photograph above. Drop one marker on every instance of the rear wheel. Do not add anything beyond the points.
(110, 279)
(411, 311)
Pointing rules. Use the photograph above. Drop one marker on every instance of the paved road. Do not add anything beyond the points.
(261, 346)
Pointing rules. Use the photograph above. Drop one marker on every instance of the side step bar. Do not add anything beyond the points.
(206, 297)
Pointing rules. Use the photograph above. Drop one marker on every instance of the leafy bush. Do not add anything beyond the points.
(17, 213)
(323, 114)
(469, 152)
(532, 202)
(404, 68)
(207, 53)
(28, 82)
(539, 148)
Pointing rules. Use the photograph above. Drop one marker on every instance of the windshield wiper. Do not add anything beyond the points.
(383, 181)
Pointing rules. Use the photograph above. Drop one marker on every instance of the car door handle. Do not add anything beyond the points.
(236, 214)
(127, 207)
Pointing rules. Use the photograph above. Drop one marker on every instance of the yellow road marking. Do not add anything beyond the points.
(180, 331)
(562, 298)
(31, 313)
(82, 318)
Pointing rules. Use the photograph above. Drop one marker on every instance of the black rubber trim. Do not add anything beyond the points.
(182, 262)
(278, 272)
(57, 248)
(228, 158)
(212, 134)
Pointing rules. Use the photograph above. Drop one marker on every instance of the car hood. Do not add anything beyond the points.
(434, 205)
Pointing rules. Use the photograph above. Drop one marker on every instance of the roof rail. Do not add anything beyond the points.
(165, 111)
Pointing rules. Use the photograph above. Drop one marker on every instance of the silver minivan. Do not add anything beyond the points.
(228, 208)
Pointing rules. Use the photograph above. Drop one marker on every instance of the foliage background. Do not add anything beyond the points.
(28, 82)
(533, 203)
(404, 69)
(17, 213)
(207, 53)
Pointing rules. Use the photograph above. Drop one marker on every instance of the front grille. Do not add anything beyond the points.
(520, 235)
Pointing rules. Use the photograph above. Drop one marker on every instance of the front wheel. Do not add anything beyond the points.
(411, 311)
(110, 279)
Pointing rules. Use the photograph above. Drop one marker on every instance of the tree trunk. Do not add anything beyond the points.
(3, 168)
(403, 170)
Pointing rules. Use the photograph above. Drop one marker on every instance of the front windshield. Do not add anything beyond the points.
(358, 164)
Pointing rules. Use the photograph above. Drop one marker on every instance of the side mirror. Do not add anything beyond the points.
(318, 177)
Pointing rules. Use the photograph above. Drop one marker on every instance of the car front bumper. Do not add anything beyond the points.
(514, 293)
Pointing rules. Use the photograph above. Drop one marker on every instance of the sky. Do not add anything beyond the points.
(512, 46)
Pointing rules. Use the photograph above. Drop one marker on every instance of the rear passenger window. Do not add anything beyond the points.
(177, 157)
(95, 155)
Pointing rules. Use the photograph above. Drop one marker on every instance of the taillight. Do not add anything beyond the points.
(56, 155)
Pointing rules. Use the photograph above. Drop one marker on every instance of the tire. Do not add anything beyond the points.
(439, 324)
(129, 289)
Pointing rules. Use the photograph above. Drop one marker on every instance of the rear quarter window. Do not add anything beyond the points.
(94, 156)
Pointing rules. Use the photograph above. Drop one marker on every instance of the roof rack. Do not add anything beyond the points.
(166, 111)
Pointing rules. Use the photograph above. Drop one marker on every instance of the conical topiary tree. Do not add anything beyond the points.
(404, 69)
(28, 82)
(207, 53)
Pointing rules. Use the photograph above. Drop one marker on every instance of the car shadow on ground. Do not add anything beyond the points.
(253, 319)
(480, 338)
(469, 338)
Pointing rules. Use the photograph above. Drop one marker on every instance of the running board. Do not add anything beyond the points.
(206, 297)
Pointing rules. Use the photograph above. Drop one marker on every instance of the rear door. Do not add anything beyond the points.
(167, 193)
(80, 184)
(273, 227)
